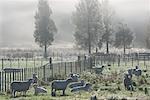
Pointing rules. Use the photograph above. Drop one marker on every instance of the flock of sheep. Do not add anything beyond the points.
(72, 81)
(75, 85)
(128, 83)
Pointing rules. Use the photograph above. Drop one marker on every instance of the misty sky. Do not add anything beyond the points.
(17, 19)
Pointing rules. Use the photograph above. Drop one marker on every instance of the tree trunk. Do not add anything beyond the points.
(45, 51)
(107, 47)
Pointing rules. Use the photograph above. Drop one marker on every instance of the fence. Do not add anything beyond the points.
(47, 70)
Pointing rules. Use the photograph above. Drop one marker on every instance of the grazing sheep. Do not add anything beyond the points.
(60, 85)
(86, 87)
(20, 86)
(136, 72)
(35, 78)
(74, 77)
(130, 72)
(128, 82)
(77, 84)
(39, 89)
(99, 70)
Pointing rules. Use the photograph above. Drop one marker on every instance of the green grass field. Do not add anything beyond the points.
(105, 86)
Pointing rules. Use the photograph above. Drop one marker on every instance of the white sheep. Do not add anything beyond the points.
(76, 84)
(86, 87)
(39, 89)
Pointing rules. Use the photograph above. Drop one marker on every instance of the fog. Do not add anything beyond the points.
(17, 20)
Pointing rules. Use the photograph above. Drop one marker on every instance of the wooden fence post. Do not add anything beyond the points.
(10, 62)
(2, 64)
(71, 66)
(22, 74)
(13, 75)
(79, 63)
(132, 60)
(65, 68)
(26, 62)
(118, 60)
(144, 61)
(51, 66)
(0, 81)
(18, 64)
(44, 73)
(75, 67)
(5, 82)
(84, 62)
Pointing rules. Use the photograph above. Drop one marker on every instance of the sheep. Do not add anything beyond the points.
(86, 87)
(39, 89)
(20, 86)
(136, 72)
(130, 72)
(76, 84)
(128, 82)
(74, 77)
(99, 70)
(60, 85)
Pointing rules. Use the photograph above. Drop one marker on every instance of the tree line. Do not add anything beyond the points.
(94, 27)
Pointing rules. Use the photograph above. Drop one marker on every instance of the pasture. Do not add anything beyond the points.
(108, 86)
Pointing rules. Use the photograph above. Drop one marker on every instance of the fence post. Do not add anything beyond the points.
(65, 68)
(51, 65)
(84, 62)
(44, 72)
(26, 63)
(10, 62)
(5, 81)
(22, 74)
(71, 66)
(132, 60)
(113, 60)
(79, 63)
(18, 63)
(2, 81)
(13, 75)
(2, 64)
(144, 61)
(25, 73)
(118, 60)
(75, 67)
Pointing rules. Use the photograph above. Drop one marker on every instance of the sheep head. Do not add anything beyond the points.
(74, 77)
(69, 80)
(30, 81)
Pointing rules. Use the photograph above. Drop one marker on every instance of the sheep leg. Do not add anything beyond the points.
(25, 93)
(63, 92)
(13, 92)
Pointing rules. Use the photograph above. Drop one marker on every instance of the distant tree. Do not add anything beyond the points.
(108, 23)
(44, 26)
(87, 20)
(124, 37)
